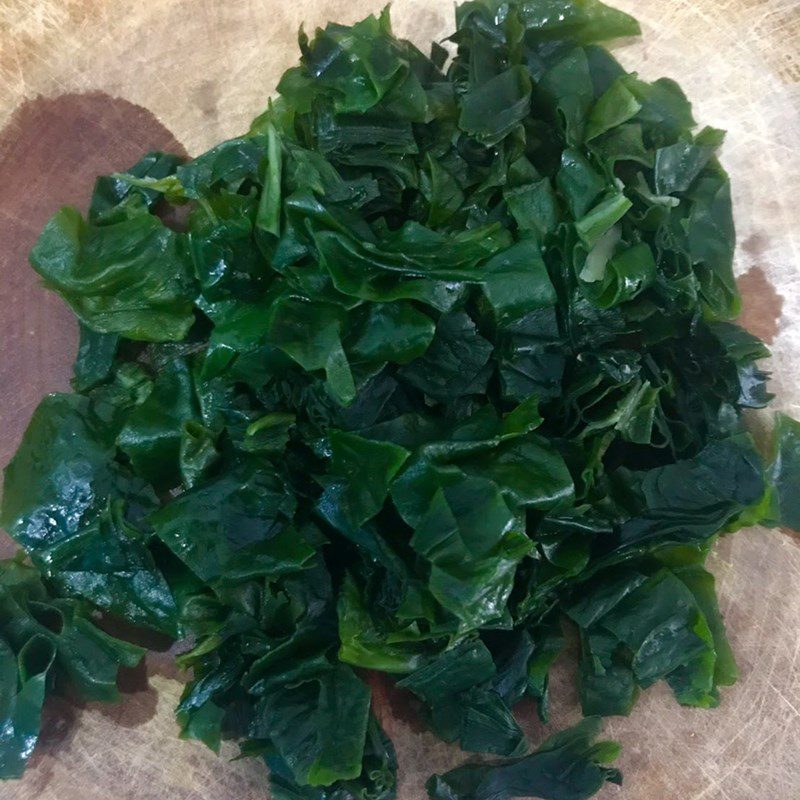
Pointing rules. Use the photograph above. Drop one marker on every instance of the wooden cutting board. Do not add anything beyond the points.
(88, 85)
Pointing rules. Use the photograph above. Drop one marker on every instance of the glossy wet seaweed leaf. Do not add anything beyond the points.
(441, 358)
(568, 765)
(47, 643)
(81, 515)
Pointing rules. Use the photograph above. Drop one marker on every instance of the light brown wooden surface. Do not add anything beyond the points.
(87, 85)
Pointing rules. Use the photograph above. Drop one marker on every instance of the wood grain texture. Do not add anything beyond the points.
(86, 85)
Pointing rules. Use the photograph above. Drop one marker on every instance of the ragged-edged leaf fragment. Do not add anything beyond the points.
(47, 643)
(132, 277)
(568, 766)
(81, 516)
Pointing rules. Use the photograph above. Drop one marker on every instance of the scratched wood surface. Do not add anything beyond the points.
(87, 85)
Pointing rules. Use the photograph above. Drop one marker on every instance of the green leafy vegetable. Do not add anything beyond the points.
(567, 765)
(442, 359)
(81, 515)
(131, 277)
(47, 643)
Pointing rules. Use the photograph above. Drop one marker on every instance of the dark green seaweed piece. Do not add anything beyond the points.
(47, 643)
(439, 359)
(567, 766)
